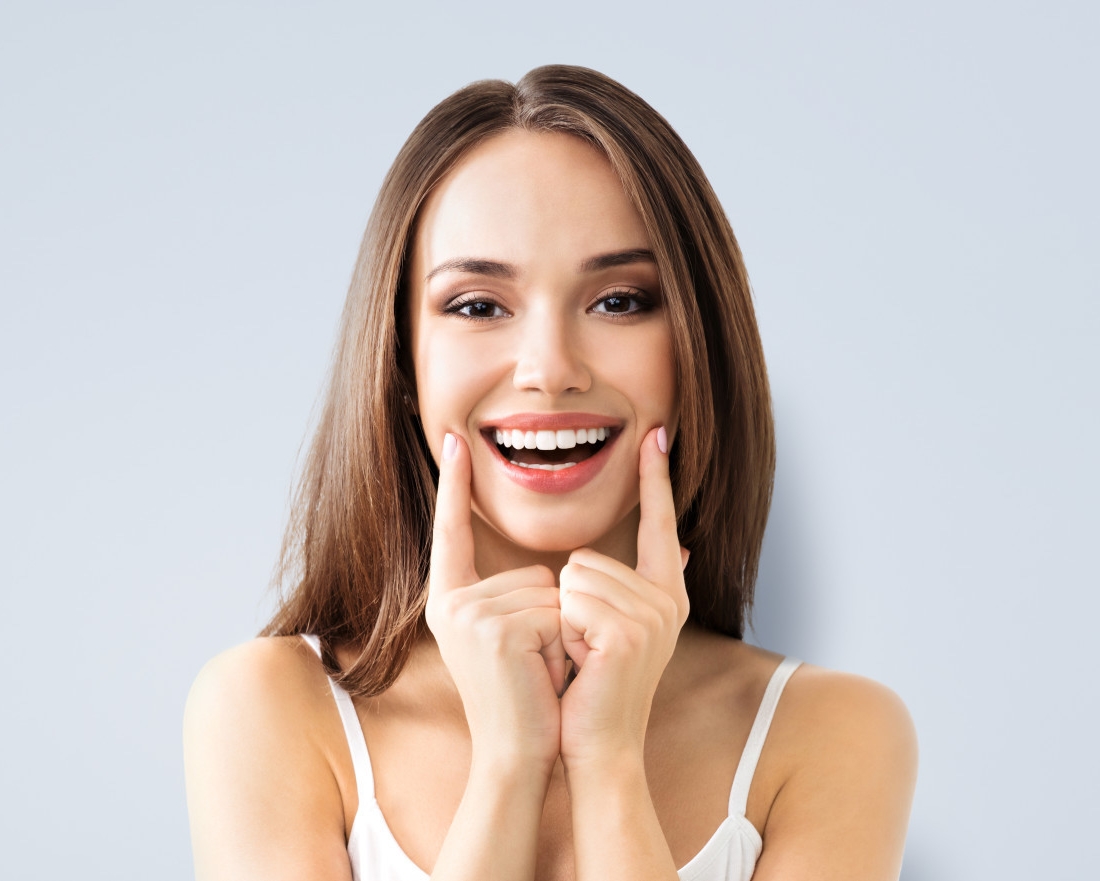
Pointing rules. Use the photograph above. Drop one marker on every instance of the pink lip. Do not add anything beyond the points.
(552, 482)
(549, 421)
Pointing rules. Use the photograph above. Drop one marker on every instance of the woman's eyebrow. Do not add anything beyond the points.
(618, 258)
(474, 266)
(497, 269)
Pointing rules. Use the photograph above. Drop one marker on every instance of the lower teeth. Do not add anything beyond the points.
(557, 467)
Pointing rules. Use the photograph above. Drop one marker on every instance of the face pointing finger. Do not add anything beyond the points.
(659, 558)
(452, 562)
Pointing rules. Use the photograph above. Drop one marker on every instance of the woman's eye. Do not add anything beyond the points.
(478, 310)
(621, 304)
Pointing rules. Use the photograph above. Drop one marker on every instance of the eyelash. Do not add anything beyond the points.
(643, 303)
(455, 308)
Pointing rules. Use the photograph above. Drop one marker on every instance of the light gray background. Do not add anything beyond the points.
(915, 188)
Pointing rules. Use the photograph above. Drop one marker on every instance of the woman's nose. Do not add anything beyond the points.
(550, 359)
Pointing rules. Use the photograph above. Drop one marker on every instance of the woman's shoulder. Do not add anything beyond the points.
(270, 694)
(837, 772)
(847, 703)
(813, 698)
(256, 727)
(278, 674)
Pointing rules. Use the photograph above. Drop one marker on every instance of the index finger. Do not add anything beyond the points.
(452, 560)
(659, 559)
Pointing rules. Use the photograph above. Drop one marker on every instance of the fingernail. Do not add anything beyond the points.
(662, 439)
(450, 444)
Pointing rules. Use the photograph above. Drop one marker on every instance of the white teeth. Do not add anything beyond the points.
(557, 467)
(563, 439)
(566, 439)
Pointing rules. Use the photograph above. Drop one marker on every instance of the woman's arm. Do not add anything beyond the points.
(842, 808)
(261, 794)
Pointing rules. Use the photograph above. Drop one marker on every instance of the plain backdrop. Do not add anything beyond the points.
(915, 187)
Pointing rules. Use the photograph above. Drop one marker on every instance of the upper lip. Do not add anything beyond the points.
(549, 421)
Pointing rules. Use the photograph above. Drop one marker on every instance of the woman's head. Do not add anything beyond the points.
(536, 319)
(358, 546)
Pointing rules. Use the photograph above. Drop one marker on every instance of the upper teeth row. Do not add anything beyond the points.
(565, 439)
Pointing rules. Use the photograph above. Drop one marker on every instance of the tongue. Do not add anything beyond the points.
(551, 457)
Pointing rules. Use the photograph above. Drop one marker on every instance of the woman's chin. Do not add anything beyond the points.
(553, 540)
(539, 536)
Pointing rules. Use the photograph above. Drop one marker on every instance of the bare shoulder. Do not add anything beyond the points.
(843, 761)
(849, 709)
(820, 708)
(269, 675)
(261, 793)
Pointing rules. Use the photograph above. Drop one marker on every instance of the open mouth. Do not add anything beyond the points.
(548, 450)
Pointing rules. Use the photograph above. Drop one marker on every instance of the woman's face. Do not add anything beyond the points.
(539, 336)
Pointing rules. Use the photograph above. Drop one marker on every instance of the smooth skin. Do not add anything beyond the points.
(481, 770)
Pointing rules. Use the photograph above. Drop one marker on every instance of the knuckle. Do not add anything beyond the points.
(652, 621)
(580, 555)
(541, 576)
(492, 635)
(441, 533)
(683, 607)
(664, 515)
(634, 636)
(668, 608)
(442, 608)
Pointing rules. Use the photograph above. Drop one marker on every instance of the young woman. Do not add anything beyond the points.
(525, 545)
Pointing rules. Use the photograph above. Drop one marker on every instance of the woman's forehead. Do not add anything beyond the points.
(526, 197)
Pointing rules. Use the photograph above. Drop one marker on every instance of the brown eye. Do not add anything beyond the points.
(475, 310)
(622, 303)
(480, 309)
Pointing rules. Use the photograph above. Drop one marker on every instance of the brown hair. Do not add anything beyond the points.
(358, 543)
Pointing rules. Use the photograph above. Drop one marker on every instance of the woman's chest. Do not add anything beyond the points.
(420, 776)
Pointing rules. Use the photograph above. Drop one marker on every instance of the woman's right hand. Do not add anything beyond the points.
(499, 637)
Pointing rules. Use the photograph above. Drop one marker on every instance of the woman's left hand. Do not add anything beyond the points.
(620, 625)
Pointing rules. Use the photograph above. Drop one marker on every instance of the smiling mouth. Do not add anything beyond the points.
(548, 450)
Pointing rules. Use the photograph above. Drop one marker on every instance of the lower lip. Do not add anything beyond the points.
(561, 481)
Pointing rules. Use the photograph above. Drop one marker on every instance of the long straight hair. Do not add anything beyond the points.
(357, 547)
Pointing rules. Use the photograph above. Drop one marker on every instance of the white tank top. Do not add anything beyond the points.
(729, 855)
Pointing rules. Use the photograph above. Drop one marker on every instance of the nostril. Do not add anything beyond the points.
(550, 361)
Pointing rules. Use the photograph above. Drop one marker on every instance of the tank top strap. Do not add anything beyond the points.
(353, 731)
(746, 768)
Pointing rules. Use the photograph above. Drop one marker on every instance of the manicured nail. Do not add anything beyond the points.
(450, 445)
(662, 439)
